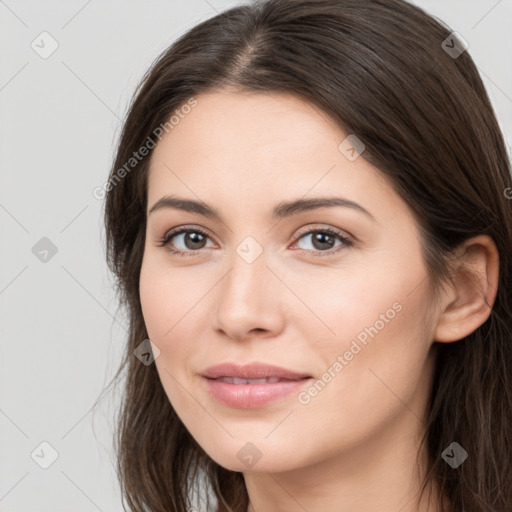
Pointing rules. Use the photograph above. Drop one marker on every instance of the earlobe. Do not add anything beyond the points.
(472, 293)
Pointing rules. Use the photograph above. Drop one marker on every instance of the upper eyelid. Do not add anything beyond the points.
(322, 227)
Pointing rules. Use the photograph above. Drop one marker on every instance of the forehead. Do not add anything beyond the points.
(255, 148)
(245, 125)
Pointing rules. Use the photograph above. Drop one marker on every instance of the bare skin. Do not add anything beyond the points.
(352, 445)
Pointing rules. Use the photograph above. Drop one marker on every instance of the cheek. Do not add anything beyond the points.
(167, 296)
(153, 297)
(343, 302)
(374, 319)
(378, 355)
(174, 305)
(167, 306)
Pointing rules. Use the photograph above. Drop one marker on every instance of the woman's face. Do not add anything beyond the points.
(264, 282)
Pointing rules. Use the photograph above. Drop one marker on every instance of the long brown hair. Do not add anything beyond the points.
(384, 71)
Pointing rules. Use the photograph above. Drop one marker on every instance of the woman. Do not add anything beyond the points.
(308, 217)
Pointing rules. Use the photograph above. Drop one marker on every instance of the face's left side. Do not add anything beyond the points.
(352, 303)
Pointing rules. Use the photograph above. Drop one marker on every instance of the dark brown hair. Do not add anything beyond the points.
(378, 68)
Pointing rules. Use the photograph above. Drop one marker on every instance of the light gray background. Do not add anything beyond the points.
(61, 331)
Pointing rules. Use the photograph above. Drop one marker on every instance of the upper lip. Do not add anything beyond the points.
(253, 370)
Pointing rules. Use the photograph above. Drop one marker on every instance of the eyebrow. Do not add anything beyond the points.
(282, 210)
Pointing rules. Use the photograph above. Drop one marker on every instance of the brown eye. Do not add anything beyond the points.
(186, 240)
(324, 240)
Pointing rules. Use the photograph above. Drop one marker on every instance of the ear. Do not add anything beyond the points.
(470, 296)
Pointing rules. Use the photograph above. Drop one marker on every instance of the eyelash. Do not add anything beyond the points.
(164, 242)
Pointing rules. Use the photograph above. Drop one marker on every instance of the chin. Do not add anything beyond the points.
(252, 456)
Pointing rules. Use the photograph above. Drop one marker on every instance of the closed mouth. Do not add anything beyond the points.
(269, 380)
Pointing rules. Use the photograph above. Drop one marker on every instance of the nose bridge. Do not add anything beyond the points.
(246, 279)
(245, 302)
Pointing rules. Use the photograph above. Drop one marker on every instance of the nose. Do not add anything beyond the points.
(249, 301)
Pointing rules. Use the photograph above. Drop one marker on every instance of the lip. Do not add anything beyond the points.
(252, 396)
(253, 370)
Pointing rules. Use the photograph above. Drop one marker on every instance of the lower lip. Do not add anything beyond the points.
(251, 396)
